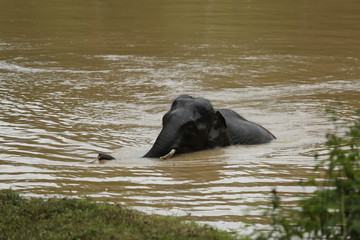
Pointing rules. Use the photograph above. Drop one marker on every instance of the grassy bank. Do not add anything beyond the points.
(55, 218)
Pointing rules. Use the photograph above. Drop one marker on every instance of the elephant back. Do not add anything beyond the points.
(241, 131)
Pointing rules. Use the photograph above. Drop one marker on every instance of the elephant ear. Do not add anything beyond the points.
(217, 136)
(219, 120)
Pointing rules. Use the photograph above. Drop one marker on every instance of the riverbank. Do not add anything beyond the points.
(64, 218)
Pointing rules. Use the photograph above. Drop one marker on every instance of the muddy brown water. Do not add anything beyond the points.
(82, 77)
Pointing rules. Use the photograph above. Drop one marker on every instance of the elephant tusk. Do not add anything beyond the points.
(169, 155)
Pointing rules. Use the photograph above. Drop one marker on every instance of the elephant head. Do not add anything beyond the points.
(190, 125)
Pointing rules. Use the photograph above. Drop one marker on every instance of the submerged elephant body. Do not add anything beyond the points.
(192, 124)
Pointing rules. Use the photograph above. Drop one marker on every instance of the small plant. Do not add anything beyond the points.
(333, 211)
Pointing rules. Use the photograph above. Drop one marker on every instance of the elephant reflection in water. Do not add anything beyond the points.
(192, 124)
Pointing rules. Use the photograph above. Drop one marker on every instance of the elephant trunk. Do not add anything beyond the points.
(163, 144)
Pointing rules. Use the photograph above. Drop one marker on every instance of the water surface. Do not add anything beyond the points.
(82, 77)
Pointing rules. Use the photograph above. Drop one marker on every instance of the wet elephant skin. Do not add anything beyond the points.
(192, 124)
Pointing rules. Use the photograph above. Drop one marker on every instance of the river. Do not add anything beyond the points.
(82, 77)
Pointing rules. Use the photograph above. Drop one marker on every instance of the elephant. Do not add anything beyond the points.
(192, 124)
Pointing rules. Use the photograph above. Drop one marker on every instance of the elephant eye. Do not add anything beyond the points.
(190, 127)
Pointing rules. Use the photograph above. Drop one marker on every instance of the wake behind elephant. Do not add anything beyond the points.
(192, 124)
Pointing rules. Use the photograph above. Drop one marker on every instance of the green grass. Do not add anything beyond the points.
(55, 218)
